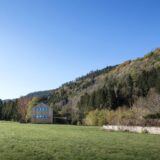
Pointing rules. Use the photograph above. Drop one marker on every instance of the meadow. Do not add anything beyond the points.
(66, 142)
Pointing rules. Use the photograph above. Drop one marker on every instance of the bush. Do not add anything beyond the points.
(121, 116)
(153, 116)
(124, 116)
(95, 118)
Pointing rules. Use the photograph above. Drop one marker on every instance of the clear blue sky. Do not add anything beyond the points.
(44, 43)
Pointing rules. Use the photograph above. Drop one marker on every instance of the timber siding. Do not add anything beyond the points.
(42, 114)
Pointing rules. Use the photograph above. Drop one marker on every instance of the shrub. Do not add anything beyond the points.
(124, 116)
(121, 116)
(153, 116)
(96, 117)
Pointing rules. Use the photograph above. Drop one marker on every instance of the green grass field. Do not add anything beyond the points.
(60, 142)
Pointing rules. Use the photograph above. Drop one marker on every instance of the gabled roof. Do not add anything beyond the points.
(41, 105)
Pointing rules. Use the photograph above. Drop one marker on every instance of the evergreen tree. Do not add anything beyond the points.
(1, 106)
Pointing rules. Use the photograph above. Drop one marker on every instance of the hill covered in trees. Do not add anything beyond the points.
(128, 84)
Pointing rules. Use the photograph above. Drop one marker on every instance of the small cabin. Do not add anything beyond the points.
(42, 114)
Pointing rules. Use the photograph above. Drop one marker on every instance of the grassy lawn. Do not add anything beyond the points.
(60, 142)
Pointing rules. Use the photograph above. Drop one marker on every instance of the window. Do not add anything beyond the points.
(40, 116)
(44, 109)
(45, 116)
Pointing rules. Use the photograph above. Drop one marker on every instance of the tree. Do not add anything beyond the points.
(1, 106)
(22, 108)
(151, 102)
(31, 104)
(9, 110)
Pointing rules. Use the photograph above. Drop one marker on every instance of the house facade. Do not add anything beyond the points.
(42, 114)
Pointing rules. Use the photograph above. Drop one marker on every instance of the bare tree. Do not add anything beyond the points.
(150, 103)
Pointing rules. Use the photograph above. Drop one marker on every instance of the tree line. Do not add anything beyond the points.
(123, 85)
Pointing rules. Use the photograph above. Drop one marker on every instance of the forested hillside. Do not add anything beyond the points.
(120, 86)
